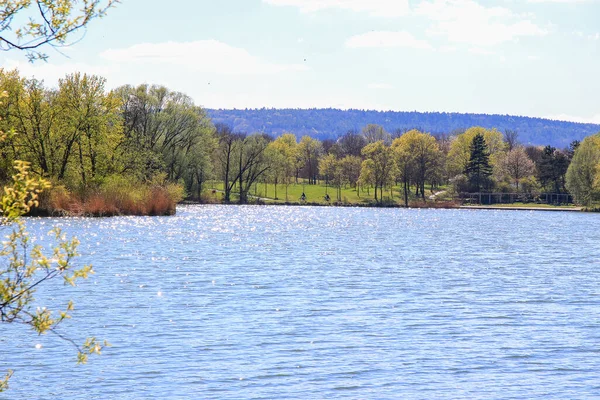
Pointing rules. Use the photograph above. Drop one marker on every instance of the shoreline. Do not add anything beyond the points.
(440, 206)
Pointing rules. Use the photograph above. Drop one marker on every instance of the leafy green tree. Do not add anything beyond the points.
(88, 126)
(309, 152)
(330, 167)
(327, 167)
(460, 149)
(276, 172)
(417, 156)
(251, 163)
(31, 112)
(478, 169)
(200, 164)
(381, 166)
(367, 174)
(161, 127)
(350, 169)
(405, 163)
(29, 25)
(284, 153)
(582, 176)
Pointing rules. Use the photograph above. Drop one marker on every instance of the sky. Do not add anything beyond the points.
(538, 58)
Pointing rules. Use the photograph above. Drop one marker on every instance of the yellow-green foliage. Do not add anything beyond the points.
(37, 23)
(459, 154)
(583, 177)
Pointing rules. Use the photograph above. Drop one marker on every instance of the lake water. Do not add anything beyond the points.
(227, 302)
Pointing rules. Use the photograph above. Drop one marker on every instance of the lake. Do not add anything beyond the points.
(250, 302)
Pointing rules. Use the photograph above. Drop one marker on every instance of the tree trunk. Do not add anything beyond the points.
(405, 192)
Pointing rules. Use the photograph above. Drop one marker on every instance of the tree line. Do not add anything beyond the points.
(477, 160)
(84, 137)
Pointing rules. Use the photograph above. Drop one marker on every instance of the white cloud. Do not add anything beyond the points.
(51, 73)
(448, 49)
(213, 73)
(379, 86)
(468, 22)
(378, 8)
(207, 56)
(459, 21)
(387, 39)
(480, 51)
(595, 119)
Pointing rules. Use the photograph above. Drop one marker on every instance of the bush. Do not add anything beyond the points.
(117, 195)
(459, 184)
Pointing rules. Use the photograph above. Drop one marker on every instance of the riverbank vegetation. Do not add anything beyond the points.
(104, 152)
(140, 150)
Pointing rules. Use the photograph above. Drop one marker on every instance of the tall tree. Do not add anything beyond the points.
(552, 168)
(511, 138)
(374, 133)
(350, 166)
(381, 165)
(228, 142)
(200, 165)
(582, 176)
(572, 149)
(285, 153)
(90, 123)
(163, 126)
(517, 165)
(351, 143)
(309, 151)
(251, 163)
(416, 155)
(478, 169)
(460, 149)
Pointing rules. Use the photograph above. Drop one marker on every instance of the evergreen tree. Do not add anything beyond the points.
(479, 169)
(552, 169)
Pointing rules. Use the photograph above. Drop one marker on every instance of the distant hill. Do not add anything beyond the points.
(330, 123)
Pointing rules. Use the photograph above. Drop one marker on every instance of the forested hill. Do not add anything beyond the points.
(330, 123)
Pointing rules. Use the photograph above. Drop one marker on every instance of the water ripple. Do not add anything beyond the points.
(224, 302)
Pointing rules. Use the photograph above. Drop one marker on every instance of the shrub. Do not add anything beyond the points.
(117, 195)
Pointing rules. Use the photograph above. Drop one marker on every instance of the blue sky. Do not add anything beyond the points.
(523, 57)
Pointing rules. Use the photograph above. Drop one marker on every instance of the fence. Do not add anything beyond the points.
(509, 198)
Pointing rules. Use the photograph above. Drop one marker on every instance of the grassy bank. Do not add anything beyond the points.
(316, 195)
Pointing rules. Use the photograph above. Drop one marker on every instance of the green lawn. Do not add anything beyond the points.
(315, 194)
